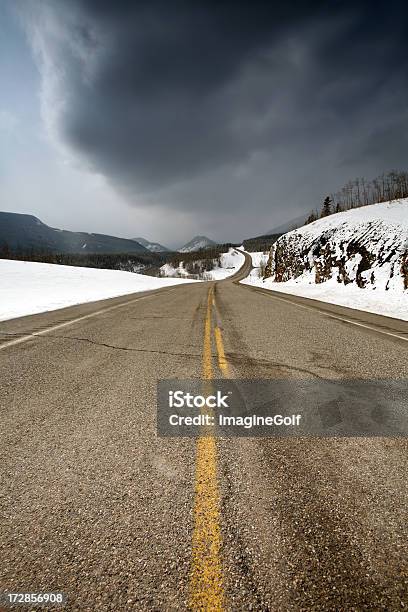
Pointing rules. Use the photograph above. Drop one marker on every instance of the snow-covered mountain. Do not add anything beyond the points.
(154, 247)
(197, 243)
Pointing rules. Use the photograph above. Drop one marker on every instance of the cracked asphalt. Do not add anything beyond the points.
(94, 504)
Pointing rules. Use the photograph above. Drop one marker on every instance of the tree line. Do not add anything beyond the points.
(205, 256)
(128, 262)
(195, 262)
(260, 243)
(361, 192)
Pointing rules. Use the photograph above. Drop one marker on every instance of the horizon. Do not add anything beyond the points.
(232, 118)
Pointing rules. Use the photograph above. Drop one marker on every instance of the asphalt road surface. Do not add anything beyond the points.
(95, 505)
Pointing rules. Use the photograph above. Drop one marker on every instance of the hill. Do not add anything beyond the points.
(197, 243)
(260, 243)
(153, 247)
(357, 258)
(289, 225)
(20, 232)
(366, 246)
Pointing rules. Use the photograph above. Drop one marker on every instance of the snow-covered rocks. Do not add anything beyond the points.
(357, 258)
(365, 246)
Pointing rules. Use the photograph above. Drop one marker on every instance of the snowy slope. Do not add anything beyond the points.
(28, 287)
(357, 258)
(259, 261)
(153, 247)
(229, 263)
(196, 243)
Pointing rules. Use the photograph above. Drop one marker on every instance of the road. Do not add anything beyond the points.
(94, 504)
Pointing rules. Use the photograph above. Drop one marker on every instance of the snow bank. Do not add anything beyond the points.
(171, 272)
(379, 302)
(357, 258)
(28, 287)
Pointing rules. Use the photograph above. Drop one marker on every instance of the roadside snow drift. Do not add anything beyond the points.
(28, 287)
(357, 258)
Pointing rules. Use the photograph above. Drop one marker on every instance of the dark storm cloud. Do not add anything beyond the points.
(160, 104)
(158, 94)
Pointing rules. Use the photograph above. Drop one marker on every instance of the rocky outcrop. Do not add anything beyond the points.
(404, 268)
(367, 253)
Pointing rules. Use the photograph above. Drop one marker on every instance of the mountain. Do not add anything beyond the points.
(26, 233)
(153, 247)
(289, 225)
(197, 243)
(260, 243)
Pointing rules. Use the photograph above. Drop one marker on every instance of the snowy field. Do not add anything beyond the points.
(230, 262)
(383, 231)
(28, 287)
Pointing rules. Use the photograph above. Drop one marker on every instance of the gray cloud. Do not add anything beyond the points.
(253, 108)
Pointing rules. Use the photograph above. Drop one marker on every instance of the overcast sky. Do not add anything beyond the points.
(168, 119)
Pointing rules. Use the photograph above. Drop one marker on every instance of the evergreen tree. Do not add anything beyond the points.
(327, 207)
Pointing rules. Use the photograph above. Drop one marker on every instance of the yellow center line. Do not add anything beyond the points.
(207, 591)
(222, 360)
(207, 352)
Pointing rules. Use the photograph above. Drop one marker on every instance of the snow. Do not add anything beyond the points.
(199, 244)
(381, 228)
(153, 247)
(386, 303)
(196, 243)
(30, 287)
(231, 262)
(172, 272)
(390, 213)
(258, 258)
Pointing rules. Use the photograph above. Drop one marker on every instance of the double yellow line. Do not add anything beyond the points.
(207, 589)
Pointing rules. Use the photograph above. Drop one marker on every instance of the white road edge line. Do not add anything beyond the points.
(72, 321)
(326, 314)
